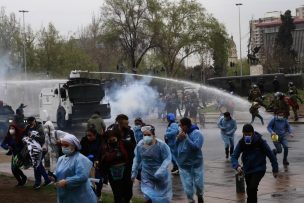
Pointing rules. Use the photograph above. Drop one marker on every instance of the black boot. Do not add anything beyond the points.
(200, 199)
(227, 152)
(285, 162)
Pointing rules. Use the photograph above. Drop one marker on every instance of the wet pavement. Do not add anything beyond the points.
(220, 178)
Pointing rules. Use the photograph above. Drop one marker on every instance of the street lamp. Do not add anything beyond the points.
(239, 6)
(24, 53)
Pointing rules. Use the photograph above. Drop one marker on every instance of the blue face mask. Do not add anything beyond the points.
(67, 150)
(148, 140)
(247, 139)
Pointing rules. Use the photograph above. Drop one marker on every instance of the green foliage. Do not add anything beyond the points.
(219, 44)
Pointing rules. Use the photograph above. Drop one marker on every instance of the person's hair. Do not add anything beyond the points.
(227, 114)
(248, 128)
(121, 117)
(110, 133)
(152, 130)
(186, 121)
(31, 119)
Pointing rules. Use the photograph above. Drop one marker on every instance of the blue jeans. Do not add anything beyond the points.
(193, 180)
(40, 171)
(278, 146)
(228, 140)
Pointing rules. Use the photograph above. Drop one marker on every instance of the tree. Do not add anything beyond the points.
(183, 32)
(219, 46)
(284, 53)
(129, 20)
(49, 49)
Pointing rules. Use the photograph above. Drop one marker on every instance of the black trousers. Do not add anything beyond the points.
(122, 189)
(17, 172)
(252, 184)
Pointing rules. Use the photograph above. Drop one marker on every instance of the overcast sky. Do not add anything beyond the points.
(69, 15)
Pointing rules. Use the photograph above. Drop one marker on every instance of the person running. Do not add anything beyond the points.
(293, 102)
(254, 150)
(170, 138)
(116, 162)
(279, 126)
(13, 142)
(254, 110)
(153, 156)
(90, 147)
(189, 158)
(72, 173)
(39, 171)
(228, 128)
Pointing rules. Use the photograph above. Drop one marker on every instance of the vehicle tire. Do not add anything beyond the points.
(61, 122)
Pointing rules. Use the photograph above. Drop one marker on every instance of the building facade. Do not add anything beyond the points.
(264, 32)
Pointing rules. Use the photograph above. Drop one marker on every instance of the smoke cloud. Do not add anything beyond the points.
(135, 98)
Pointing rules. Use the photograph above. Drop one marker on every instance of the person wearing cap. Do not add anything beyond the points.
(228, 126)
(254, 150)
(72, 173)
(293, 102)
(154, 157)
(170, 138)
(279, 126)
(116, 158)
(98, 122)
(189, 157)
(39, 171)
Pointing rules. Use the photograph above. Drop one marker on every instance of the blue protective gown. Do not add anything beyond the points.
(155, 178)
(75, 169)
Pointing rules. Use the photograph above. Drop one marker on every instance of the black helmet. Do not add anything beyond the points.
(290, 84)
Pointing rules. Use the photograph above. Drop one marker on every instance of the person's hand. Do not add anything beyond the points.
(291, 135)
(133, 180)
(239, 169)
(275, 174)
(62, 183)
(181, 135)
(96, 164)
(52, 178)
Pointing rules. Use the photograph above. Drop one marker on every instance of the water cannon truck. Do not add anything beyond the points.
(73, 101)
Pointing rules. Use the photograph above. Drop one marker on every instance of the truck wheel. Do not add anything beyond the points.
(61, 122)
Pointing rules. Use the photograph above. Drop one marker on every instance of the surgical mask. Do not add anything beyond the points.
(280, 117)
(247, 139)
(67, 150)
(12, 131)
(148, 140)
(46, 131)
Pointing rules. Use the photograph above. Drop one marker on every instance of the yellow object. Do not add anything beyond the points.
(275, 137)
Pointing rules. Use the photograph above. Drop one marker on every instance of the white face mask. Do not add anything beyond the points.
(280, 117)
(46, 131)
(12, 131)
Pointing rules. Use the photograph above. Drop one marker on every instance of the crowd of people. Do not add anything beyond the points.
(119, 154)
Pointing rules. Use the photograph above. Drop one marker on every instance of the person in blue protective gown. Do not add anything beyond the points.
(72, 173)
(189, 158)
(170, 137)
(154, 156)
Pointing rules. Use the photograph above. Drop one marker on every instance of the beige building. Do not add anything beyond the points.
(300, 12)
(232, 52)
